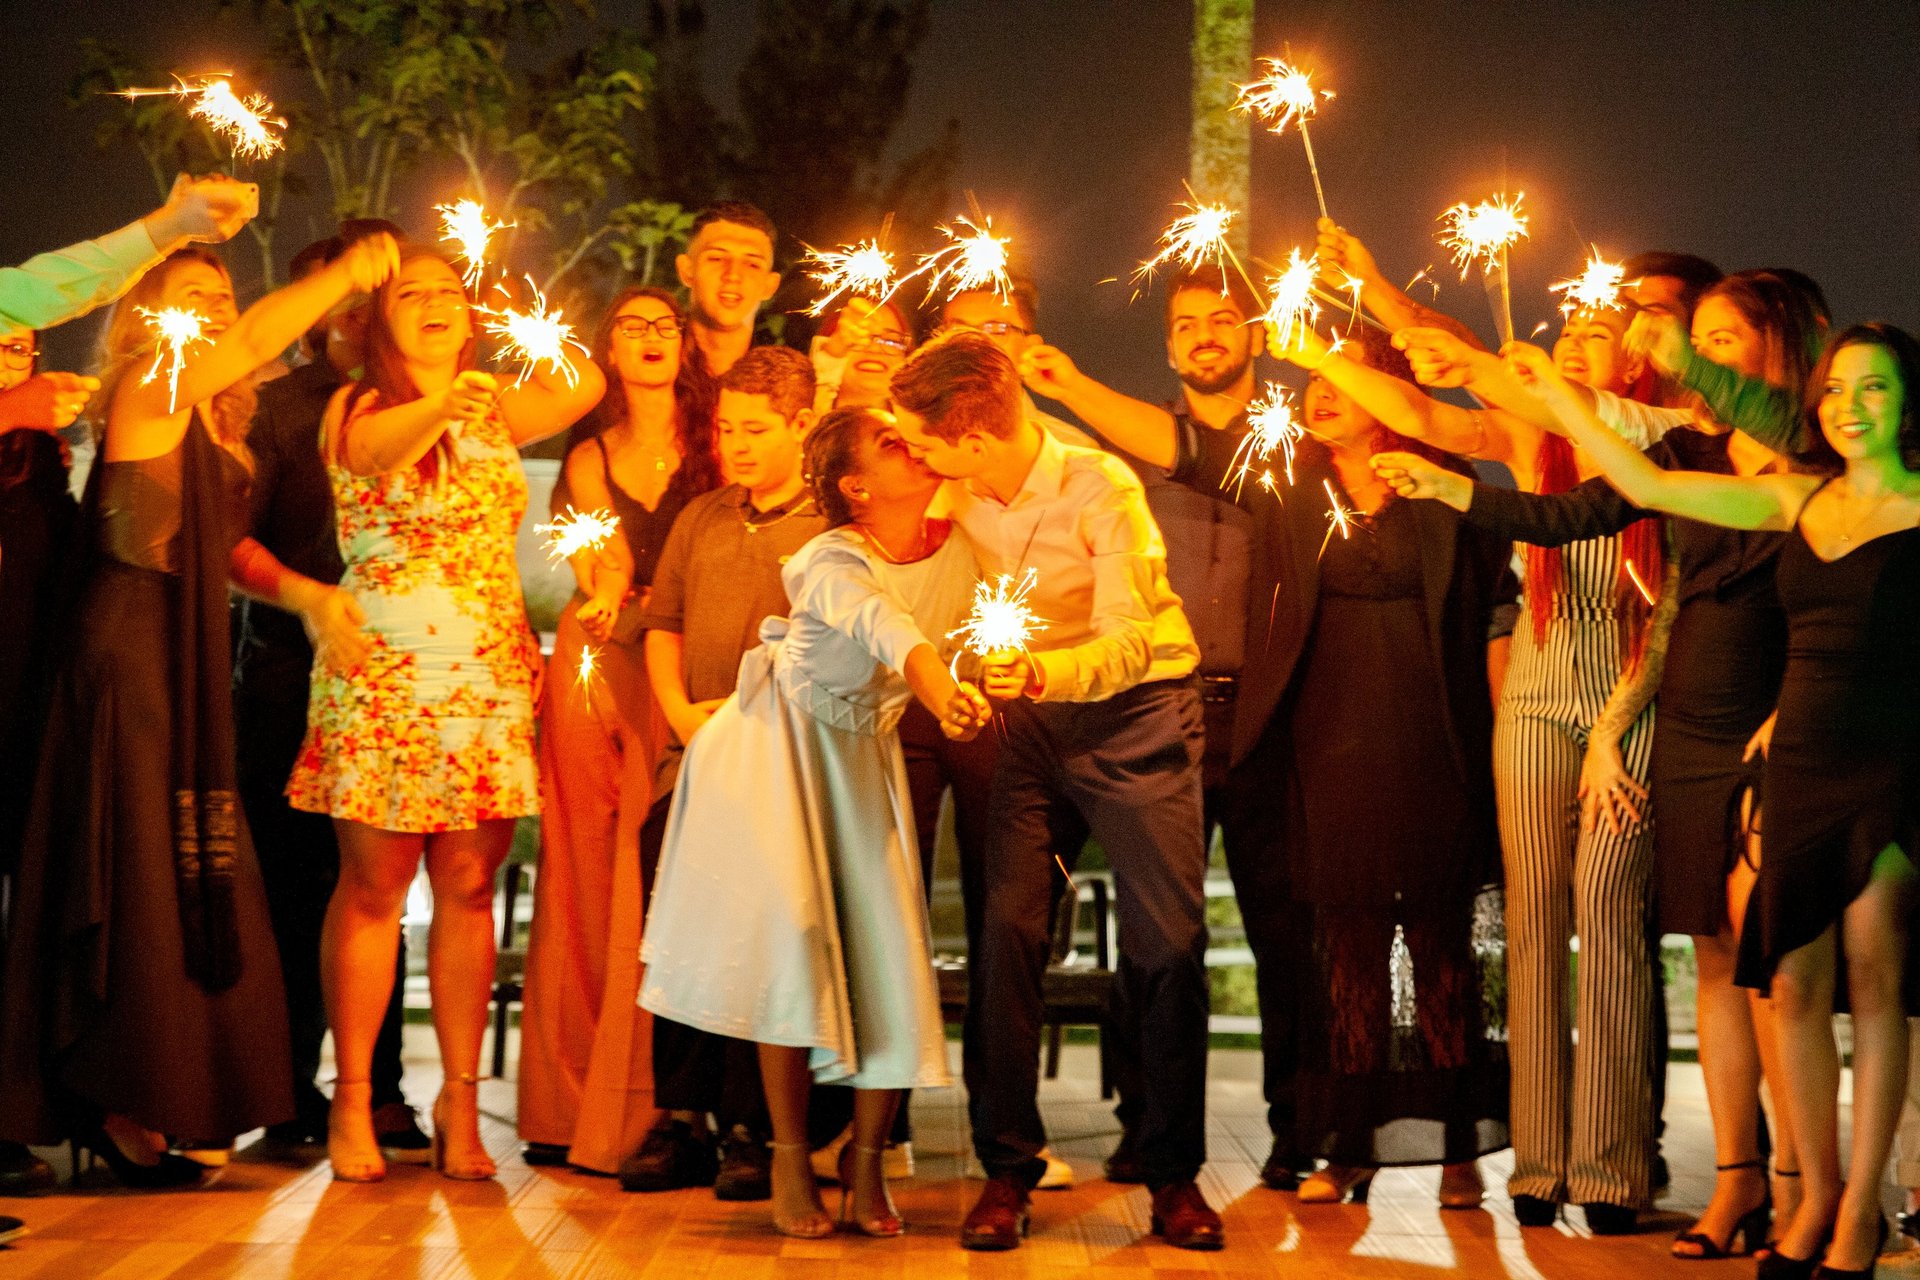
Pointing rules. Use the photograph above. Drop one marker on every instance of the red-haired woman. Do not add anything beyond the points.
(586, 1079)
(425, 749)
(1572, 737)
(143, 995)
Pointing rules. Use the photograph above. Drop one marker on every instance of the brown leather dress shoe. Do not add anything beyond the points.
(1182, 1217)
(999, 1218)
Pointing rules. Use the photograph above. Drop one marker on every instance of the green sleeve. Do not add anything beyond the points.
(1765, 412)
(56, 287)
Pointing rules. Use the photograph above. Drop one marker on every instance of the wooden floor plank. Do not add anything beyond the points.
(273, 1220)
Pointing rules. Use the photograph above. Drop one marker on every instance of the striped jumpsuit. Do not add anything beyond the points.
(1582, 1116)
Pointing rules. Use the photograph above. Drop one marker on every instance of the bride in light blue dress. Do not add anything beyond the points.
(788, 909)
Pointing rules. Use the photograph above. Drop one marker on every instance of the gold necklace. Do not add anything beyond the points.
(746, 516)
(919, 545)
(1849, 527)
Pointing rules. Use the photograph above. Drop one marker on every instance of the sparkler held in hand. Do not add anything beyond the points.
(248, 125)
(1286, 96)
(1001, 622)
(175, 329)
(1272, 428)
(1599, 287)
(1482, 234)
(534, 336)
(974, 260)
(863, 270)
(467, 224)
(572, 532)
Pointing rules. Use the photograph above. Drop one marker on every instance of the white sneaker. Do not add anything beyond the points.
(1059, 1174)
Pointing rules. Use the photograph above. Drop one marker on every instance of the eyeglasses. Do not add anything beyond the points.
(992, 328)
(634, 328)
(887, 342)
(18, 355)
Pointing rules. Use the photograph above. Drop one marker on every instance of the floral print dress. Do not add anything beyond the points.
(435, 730)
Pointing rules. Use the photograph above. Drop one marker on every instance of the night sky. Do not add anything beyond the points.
(1755, 132)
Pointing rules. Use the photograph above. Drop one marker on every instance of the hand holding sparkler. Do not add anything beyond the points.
(46, 401)
(1411, 476)
(966, 713)
(1661, 338)
(1048, 371)
(853, 327)
(207, 210)
(368, 263)
(1438, 357)
(470, 397)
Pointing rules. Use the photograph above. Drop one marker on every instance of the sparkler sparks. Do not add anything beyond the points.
(1272, 428)
(467, 224)
(175, 329)
(1292, 306)
(975, 259)
(1282, 97)
(863, 270)
(247, 124)
(1286, 96)
(535, 336)
(589, 668)
(1339, 519)
(1597, 288)
(1001, 620)
(575, 531)
(1481, 233)
(1194, 238)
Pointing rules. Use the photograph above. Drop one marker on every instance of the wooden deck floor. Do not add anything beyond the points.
(269, 1220)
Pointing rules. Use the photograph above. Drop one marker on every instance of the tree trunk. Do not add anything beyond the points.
(1222, 138)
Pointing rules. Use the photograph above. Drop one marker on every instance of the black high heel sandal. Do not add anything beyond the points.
(168, 1172)
(1764, 1250)
(1750, 1228)
(1825, 1272)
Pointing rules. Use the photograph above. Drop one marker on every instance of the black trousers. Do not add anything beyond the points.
(695, 1070)
(1278, 929)
(300, 864)
(1128, 770)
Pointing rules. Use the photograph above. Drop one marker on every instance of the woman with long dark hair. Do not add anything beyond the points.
(1720, 681)
(425, 748)
(1842, 776)
(1366, 690)
(585, 1063)
(143, 997)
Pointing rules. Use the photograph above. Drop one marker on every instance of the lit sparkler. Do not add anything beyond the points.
(1193, 239)
(175, 329)
(1640, 582)
(1597, 288)
(572, 532)
(589, 668)
(1339, 519)
(1001, 620)
(247, 124)
(466, 223)
(1286, 96)
(1292, 301)
(975, 259)
(863, 270)
(1482, 234)
(1272, 428)
(535, 336)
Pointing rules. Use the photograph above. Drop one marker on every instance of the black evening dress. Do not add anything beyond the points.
(1842, 779)
(36, 521)
(1725, 658)
(142, 977)
(1402, 1052)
